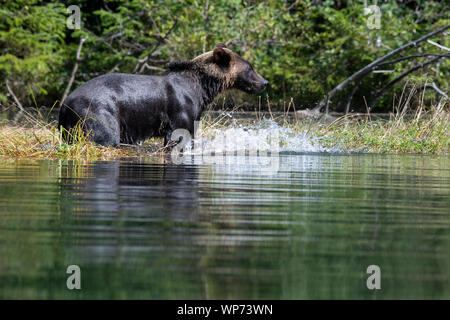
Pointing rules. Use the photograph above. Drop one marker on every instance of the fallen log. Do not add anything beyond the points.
(370, 67)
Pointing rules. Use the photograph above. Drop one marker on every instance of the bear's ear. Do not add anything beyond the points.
(221, 45)
(221, 57)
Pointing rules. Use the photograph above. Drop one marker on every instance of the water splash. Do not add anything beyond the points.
(266, 136)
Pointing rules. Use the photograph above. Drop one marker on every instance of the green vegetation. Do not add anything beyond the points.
(427, 134)
(305, 48)
(41, 140)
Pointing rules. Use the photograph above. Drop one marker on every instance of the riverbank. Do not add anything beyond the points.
(420, 133)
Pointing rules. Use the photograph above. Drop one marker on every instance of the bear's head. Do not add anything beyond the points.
(236, 72)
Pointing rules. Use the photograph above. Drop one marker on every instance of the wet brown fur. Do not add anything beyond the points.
(126, 108)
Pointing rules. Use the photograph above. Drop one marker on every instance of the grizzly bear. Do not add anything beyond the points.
(129, 108)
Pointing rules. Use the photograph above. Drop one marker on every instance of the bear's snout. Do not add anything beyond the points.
(260, 85)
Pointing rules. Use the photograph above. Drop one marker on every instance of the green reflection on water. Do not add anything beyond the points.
(147, 229)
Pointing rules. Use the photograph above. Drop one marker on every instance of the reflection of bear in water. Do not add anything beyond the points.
(124, 215)
(127, 190)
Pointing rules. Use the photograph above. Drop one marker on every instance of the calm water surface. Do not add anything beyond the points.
(149, 229)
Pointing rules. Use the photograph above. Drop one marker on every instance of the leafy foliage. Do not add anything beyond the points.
(304, 48)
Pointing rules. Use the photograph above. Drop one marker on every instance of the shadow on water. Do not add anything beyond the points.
(149, 229)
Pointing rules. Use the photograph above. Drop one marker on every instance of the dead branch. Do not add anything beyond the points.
(74, 71)
(357, 84)
(367, 69)
(142, 63)
(146, 66)
(205, 24)
(19, 105)
(407, 58)
(435, 88)
(440, 46)
(350, 97)
(401, 76)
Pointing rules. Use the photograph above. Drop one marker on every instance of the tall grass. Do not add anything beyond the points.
(38, 138)
(424, 131)
(428, 135)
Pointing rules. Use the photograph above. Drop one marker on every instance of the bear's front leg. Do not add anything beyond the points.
(181, 132)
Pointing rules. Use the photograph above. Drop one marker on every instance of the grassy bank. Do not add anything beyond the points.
(44, 141)
(421, 132)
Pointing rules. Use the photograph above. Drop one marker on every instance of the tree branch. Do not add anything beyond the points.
(350, 97)
(435, 88)
(74, 71)
(438, 45)
(142, 63)
(407, 58)
(19, 105)
(401, 76)
(367, 69)
(146, 66)
(205, 24)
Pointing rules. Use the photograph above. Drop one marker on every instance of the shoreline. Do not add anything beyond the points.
(426, 133)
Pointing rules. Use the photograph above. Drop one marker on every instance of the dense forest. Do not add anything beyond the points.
(304, 48)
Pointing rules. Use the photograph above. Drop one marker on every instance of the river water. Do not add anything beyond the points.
(221, 228)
